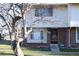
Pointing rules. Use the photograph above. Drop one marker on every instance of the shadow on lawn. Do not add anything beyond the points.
(39, 49)
(6, 54)
(35, 49)
(4, 42)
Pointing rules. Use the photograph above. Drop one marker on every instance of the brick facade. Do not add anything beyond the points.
(63, 38)
(73, 38)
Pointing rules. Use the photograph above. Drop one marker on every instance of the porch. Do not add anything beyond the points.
(66, 38)
(58, 37)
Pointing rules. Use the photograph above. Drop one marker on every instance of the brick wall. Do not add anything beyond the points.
(63, 39)
(73, 38)
(62, 36)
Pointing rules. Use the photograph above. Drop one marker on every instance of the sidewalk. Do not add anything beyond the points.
(66, 53)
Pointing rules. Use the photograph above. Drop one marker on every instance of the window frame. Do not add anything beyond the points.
(32, 35)
(39, 14)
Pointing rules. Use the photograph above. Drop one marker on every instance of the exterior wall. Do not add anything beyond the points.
(73, 15)
(74, 44)
(62, 37)
(73, 37)
(59, 18)
(63, 16)
(44, 40)
(37, 45)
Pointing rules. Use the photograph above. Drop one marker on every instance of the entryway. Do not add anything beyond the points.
(54, 40)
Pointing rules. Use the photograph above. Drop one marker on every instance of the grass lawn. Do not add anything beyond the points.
(5, 49)
(70, 50)
(35, 52)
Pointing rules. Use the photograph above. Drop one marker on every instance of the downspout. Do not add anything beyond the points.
(69, 19)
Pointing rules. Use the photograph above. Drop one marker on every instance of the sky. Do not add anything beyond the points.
(39, 1)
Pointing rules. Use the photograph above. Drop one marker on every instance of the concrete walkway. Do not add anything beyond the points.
(54, 47)
(55, 50)
(65, 53)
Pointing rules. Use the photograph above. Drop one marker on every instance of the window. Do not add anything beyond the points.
(37, 35)
(43, 12)
(77, 35)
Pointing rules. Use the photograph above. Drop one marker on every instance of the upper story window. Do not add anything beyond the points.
(43, 11)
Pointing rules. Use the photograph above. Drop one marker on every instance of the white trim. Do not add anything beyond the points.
(77, 41)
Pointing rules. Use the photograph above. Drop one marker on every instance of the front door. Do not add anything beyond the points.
(53, 40)
(54, 36)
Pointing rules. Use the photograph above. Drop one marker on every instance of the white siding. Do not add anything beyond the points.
(74, 15)
(59, 18)
(63, 16)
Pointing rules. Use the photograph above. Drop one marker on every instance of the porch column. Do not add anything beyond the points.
(48, 37)
(69, 36)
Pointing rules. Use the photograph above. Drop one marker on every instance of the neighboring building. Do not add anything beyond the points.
(58, 24)
(5, 33)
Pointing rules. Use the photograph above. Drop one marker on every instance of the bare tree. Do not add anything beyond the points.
(10, 16)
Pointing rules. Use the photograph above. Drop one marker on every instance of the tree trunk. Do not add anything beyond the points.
(19, 51)
(16, 48)
(15, 44)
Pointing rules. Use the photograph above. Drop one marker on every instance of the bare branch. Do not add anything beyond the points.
(29, 31)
